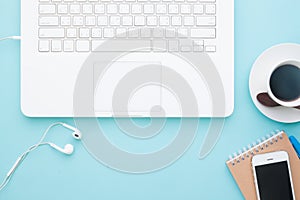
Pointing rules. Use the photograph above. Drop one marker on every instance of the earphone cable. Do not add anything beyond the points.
(4, 183)
(25, 154)
(11, 38)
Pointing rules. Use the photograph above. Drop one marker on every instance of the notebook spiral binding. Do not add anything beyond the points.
(255, 147)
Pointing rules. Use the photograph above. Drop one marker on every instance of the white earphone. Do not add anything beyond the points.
(68, 149)
(76, 134)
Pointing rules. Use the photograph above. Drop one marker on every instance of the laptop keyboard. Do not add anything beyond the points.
(82, 25)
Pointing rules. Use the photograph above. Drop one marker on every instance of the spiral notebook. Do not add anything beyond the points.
(240, 164)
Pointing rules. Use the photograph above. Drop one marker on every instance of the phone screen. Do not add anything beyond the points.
(274, 181)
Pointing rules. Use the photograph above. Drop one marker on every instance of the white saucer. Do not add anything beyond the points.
(259, 75)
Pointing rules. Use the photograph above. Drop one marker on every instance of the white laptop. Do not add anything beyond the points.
(59, 36)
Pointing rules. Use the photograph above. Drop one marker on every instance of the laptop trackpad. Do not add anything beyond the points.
(127, 87)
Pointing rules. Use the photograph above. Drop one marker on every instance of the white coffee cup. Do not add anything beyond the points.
(275, 71)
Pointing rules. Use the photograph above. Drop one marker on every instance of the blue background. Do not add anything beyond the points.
(49, 175)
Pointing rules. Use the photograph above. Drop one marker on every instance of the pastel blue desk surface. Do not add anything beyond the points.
(49, 175)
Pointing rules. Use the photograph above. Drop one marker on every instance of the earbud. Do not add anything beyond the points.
(76, 134)
(68, 149)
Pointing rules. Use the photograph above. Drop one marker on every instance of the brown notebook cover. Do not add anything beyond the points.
(241, 165)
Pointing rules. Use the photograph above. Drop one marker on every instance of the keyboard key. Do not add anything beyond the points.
(148, 9)
(189, 21)
(74, 9)
(124, 9)
(77, 21)
(122, 45)
(102, 21)
(198, 9)
(68, 46)
(161, 9)
(210, 48)
(108, 32)
(183, 32)
(44, 46)
(84, 33)
(48, 21)
(127, 21)
(158, 33)
(99, 9)
(65, 21)
(206, 21)
(133, 33)
(87, 9)
(159, 45)
(96, 32)
(203, 33)
(112, 9)
(210, 9)
(186, 45)
(185, 42)
(47, 9)
(82, 45)
(198, 48)
(171, 33)
(71, 33)
(185, 9)
(146, 32)
(173, 9)
(90, 21)
(199, 42)
(176, 21)
(62, 9)
(164, 21)
(173, 45)
(136, 9)
(56, 46)
(186, 48)
(121, 32)
(115, 21)
(151, 21)
(139, 20)
(52, 33)
(96, 44)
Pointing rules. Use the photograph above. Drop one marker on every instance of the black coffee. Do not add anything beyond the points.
(285, 83)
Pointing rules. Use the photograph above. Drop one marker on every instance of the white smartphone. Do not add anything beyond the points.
(272, 176)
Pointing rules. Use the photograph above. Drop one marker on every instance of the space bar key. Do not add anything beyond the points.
(121, 45)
